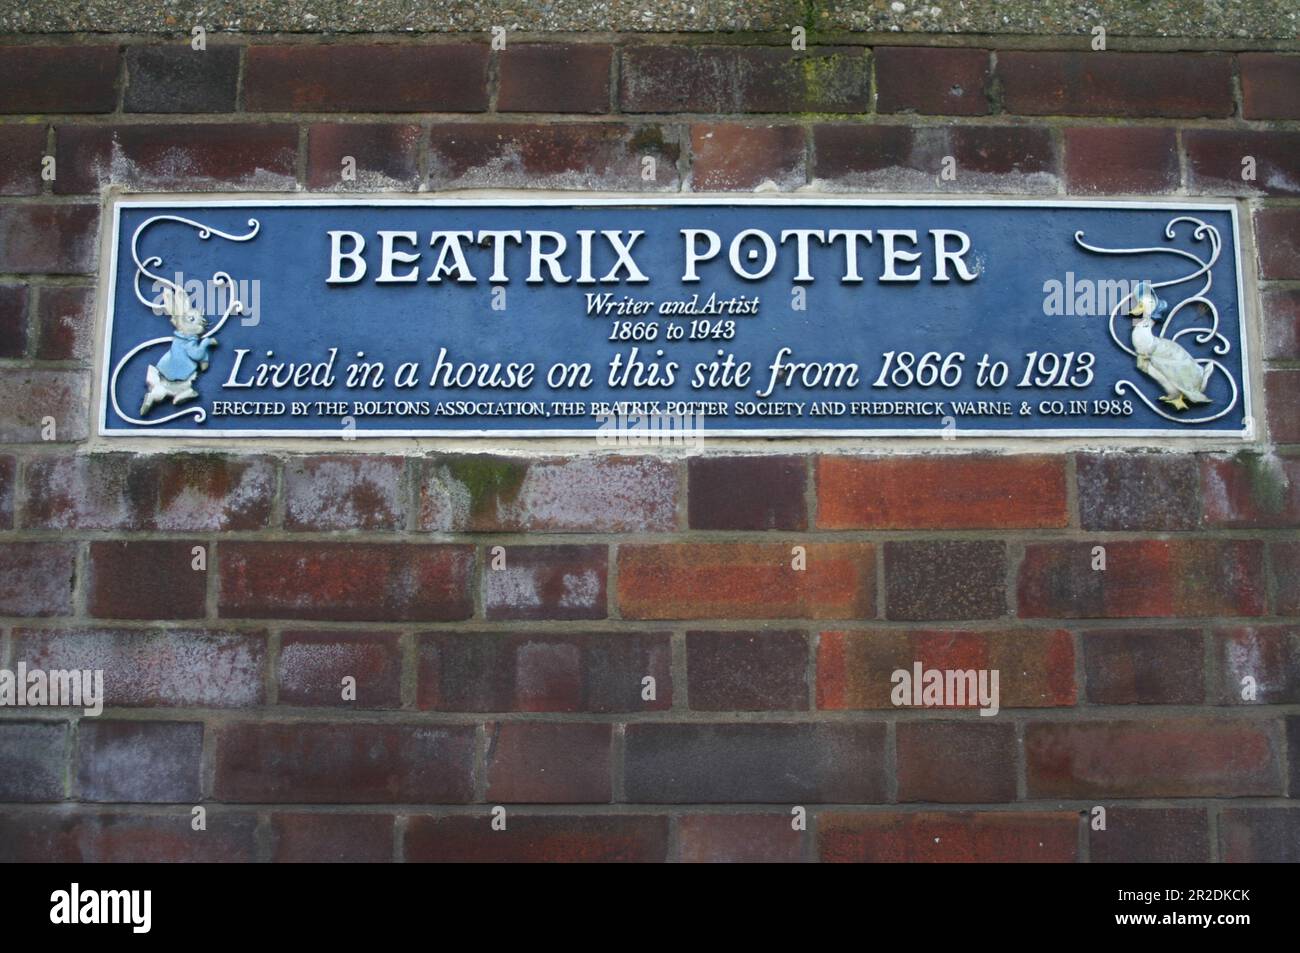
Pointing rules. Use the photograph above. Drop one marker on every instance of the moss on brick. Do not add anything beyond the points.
(488, 479)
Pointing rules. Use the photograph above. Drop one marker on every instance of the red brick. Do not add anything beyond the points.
(1107, 502)
(8, 473)
(1268, 85)
(176, 157)
(141, 579)
(538, 839)
(547, 582)
(32, 400)
(548, 494)
(1270, 655)
(956, 762)
(760, 763)
(33, 761)
(139, 761)
(1259, 835)
(1145, 667)
(79, 78)
(552, 155)
(1143, 579)
(1174, 835)
(385, 156)
(854, 668)
(973, 492)
(174, 78)
(738, 839)
(1215, 156)
(1116, 160)
(1277, 235)
(444, 77)
(344, 492)
(36, 578)
(48, 239)
(1281, 309)
(346, 582)
(1174, 757)
(332, 838)
(345, 763)
(549, 763)
(147, 668)
(537, 671)
(932, 81)
(912, 158)
(1285, 558)
(79, 835)
(1115, 84)
(65, 317)
(13, 320)
(744, 79)
(21, 149)
(1282, 397)
(728, 156)
(747, 671)
(313, 665)
(747, 493)
(746, 581)
(945, 579)
(1250, 490)
(180, 491)
(554, 78)
(964, 837)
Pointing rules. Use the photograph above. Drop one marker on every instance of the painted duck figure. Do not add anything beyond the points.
(1164, 360)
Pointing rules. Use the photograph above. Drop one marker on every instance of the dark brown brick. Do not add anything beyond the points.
(21, 148)
(964, 837)
(932, 80)
(508, 671)
(186, 157)
(97, 836)
(729, 156)
(1259, 835)
(548, 763)
(1115, 84)
(345, 77)
(139, 761)
(1268, 655)
(547, 582)
(80, 78)
(13, 320)
(1145, 667)
(747, 493)
(538, 839)
(178, 79)
(1215, 161)
(385, 156)
(36, 578)
(1285, 558)
(956, 762)
(744, 79)
(738, 839)
(552, 155)
(346, 582)
(313, 665)
(332, 838)
(945, 579)
(1117, 160)
(1277, 234)
(912, 158)
(33, 761)
(747, 671)
(40, 405)
(48, 239)
(1281, 325)
(1106, 499)
(1282, 397)
(754, 763)
(8, 473)
(65, 317)
(345, 763)
(1170, 835)
(554, 78)
(1268, 85)
(141, 579)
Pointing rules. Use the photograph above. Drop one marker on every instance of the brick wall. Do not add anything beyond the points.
(523, 686)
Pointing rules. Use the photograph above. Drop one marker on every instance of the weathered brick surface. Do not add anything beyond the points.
(93, 836)
(1113, 160)
(1106, 502)
(1282, 398)
(1035, 837)
(932, 81)
(21, 149)
(8, 472)
(178, 79)
(1277, 233)
(1215, 160)
(1268, 85)
(48, 239)
(747, 671)
(1285, 558)
(331, 838)
(65, 318)
(1177, 835)
(32, 755)
(540, 762)
(40, 404)
(59, 79)
(341, 493)
(1260, 835)
(1144, 666)
(546, 582)
(555, 77)
(1281, 310)
(543, 838)
(1269, 656)
(384, 156)
(738, 839)
(36, 579)
(730, 156)
(139, 761)
(13, 321)
(1250, 490)
(313, 666)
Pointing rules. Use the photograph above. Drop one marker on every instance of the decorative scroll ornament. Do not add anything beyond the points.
(172, 376)
(1184, 377)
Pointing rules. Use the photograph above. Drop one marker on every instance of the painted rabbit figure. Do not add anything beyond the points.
(174, 375)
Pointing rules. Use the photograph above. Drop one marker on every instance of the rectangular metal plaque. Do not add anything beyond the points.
(781, 317)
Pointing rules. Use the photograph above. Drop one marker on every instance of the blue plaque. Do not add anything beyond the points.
(766, 318)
